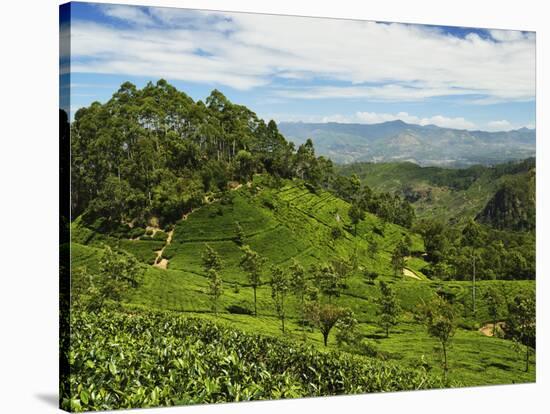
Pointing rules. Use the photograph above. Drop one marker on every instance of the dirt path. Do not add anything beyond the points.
(161, 262)
(410, 273)
(487, 329)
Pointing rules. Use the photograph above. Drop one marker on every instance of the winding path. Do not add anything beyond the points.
(410, 273)
(161, 262)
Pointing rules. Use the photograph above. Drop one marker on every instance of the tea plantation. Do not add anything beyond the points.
(139, 356)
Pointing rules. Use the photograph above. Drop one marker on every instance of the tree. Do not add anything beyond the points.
(215, 288)
(405, 245)
(440, 320)
(342, 268)
(117, 200)
(329, 281)
(305, 160)
(324, 317)
(370, 276)
(435, 239)
(521, 324)
(472, 238)
(493, 299)
(118, 271)
(388, 308)
(347, 329)
(210, 259)
(373, 248)
(252, 263)
(299, 286)
(356, 214)
(280, 285)
(245, 165)
(397, 261)
(240, 235)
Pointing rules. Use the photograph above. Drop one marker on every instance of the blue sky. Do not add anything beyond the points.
(309, 69)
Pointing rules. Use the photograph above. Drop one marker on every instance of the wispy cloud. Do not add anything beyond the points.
(371, 60)
(391, 92)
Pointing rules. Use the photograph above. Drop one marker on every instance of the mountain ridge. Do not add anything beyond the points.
(345, 143)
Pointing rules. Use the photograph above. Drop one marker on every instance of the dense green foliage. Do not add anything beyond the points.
(513, 205)
(154, 152)
(445, 194)
(498, 254)
(129, 360)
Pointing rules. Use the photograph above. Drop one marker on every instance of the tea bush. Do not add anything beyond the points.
(124, 360)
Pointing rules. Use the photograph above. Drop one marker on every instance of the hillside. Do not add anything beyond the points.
(513, 205)
(287, 223)
(280, 224)
(443, 193)
(398, 141)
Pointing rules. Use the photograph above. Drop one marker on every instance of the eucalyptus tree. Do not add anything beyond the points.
(252, 263)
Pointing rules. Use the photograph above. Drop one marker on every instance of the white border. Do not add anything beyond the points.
(28, 202)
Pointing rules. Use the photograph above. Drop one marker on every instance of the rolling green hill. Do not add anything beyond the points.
(442, 193)
(292, 222)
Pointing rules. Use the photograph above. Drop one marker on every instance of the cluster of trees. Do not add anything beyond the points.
(389, 207)
(519, 323)
(155, 152)
(314, 291)
(117, 272)
(460, 252)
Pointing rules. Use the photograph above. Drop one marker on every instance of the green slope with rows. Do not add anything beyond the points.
(293, 223)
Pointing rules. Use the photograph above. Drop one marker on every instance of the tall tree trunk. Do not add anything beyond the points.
(303, 318)
(474, 280)
(526, 359)
(325, 337)
(445, 368)
(255, 308)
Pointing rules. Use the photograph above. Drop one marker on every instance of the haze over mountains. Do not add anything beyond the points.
(398, 141)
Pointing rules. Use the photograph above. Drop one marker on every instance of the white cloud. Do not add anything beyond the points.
(510, 35)
(439, 120)
(129, 14)
(381, 61)
(502, 125)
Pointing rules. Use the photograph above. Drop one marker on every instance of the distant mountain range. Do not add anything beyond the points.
(423, 145)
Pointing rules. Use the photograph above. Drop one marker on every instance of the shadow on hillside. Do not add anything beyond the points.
(376, 336)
